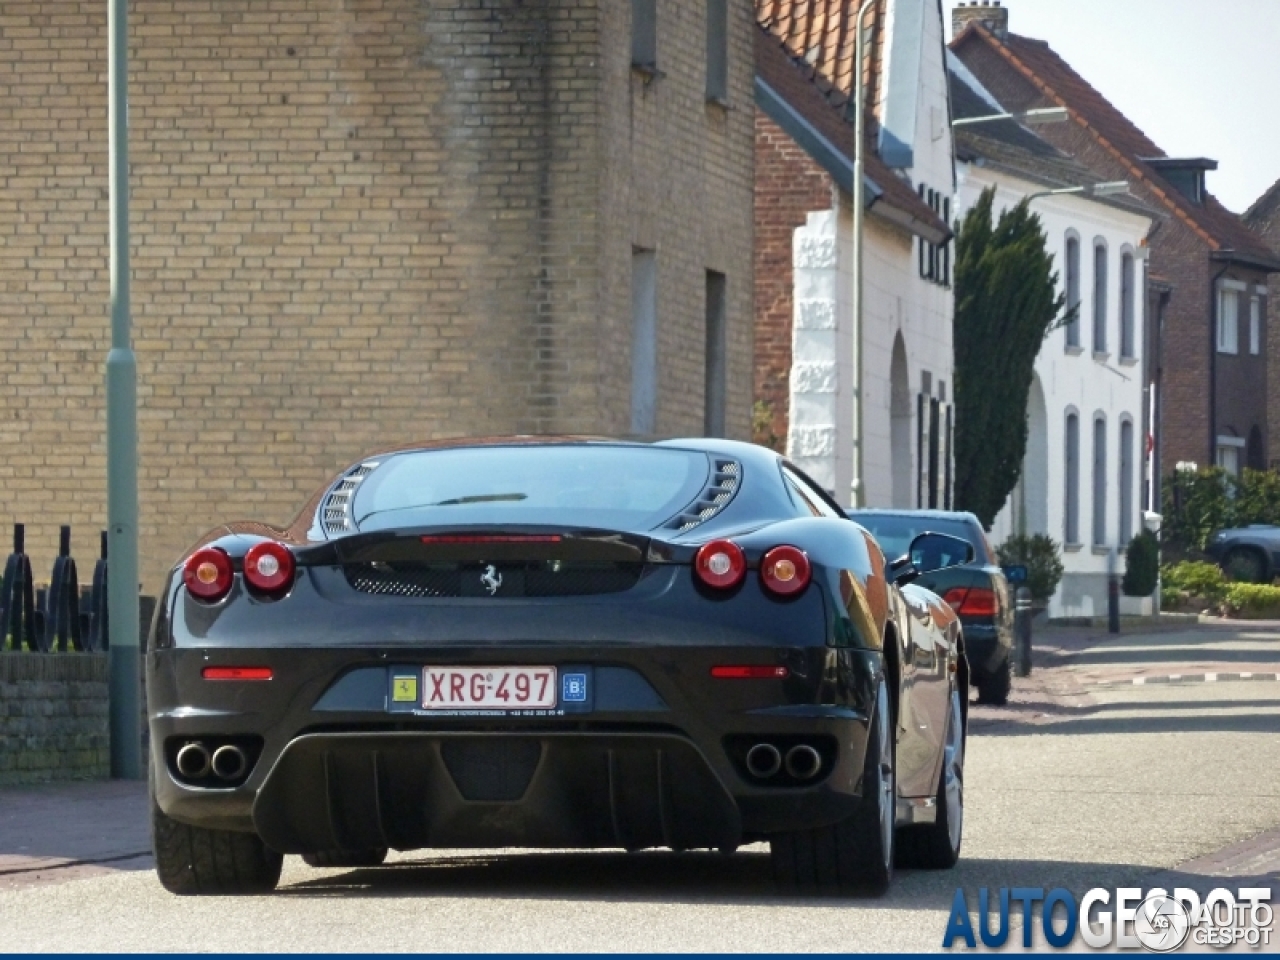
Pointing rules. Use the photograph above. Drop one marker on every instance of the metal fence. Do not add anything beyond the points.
(60, 616)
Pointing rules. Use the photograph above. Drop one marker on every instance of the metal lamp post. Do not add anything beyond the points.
(858, 493)
(122, 430)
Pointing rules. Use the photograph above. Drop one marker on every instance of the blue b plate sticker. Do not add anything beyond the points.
(577, 693)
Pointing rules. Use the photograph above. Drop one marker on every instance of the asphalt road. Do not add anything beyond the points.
(1087, 779)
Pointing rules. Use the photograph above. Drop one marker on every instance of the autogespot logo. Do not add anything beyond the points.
(1128, 918)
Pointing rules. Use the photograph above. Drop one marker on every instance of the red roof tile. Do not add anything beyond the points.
(1058, 82)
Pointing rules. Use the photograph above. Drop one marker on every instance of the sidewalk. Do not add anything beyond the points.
(53, 832)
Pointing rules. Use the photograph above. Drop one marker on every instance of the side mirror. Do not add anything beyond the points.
(930, 552)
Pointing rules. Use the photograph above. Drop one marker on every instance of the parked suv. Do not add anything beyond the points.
(978, 591)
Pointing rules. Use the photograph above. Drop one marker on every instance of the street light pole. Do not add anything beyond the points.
(858, 491)
(122, 429)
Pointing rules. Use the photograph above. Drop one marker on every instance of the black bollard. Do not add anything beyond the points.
(1113, 603)
(17, 597)
(62, 607)
(98, 636)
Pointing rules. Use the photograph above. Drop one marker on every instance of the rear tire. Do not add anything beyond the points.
(994, 690)
(1245, 565)
(936, 846)
(194, 861)
(346, 858)
(856, 854)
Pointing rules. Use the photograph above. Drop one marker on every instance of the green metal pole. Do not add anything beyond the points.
(122, 431)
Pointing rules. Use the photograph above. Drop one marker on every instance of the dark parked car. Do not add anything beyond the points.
(556, 643)
(1251, 554)
(978, 590)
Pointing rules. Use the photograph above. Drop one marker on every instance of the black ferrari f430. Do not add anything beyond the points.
(556, 643)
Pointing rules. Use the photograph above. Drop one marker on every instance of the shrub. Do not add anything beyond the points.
(1196, 503)
(1259, 601)
(1040, 555)
(1191, 583)
(1141, 565)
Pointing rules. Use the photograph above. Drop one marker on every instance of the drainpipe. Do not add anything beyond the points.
(1213, 360)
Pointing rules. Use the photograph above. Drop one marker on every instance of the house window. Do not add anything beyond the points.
(716, 379)
(935, 259)
(1255, 325)
(718, 50)
(644, 34)
(1099, 482)
(1071, 516)
(1099, 298)
(1228, 454)
(1126, 480)
(1126, 307)
(1073, 290)
(644, 342)
(1228, 322)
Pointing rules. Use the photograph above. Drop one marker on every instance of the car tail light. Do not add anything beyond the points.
(749, 672)
(785, 571)
(268, 566)
(972, 601)
(720, 564)
(208, 574)
(236, 673)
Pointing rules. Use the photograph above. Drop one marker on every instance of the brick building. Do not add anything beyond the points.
(1211, 379)
(1263, 217)
(365, 223)
(803, 193)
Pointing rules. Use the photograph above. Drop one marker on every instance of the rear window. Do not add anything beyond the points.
(895, 531)
(615, 487)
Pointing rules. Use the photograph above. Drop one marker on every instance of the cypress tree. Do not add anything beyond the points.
(1006, 304)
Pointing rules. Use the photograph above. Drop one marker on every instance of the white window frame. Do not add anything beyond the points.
(1229, 315)
(1255, 325)
(1234, 445)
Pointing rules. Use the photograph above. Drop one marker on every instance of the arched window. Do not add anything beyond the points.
(1127, 346)
(1126, 479)
(1099, 481)
(1099, 297)
(1072, 281)
(1071, 515)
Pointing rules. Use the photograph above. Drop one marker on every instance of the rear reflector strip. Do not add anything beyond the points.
(534, 538)
(748, 672)
(236, 673)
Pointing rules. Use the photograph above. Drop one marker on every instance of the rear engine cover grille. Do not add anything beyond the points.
(722, 488)
(535, 579)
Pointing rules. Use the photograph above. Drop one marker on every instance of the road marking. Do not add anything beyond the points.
(1191, 678)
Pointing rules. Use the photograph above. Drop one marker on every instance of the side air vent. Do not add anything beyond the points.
(335, 513)
(724, 484)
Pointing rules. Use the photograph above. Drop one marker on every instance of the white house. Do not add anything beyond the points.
(907, 257)
(1082, 474)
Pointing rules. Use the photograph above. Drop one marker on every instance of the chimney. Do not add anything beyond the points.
(991, 15)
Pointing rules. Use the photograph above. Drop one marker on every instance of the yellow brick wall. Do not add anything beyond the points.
(355, 222)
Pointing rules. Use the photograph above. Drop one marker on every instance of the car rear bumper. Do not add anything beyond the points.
(635, 770)
(986, 646)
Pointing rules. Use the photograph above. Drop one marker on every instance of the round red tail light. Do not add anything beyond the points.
(785, 571)
(720, 564)
(208, 574)
(268, 566)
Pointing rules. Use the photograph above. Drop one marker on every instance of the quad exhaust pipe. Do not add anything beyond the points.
(193, 761)
(226, 762)
(229, 762)
(763, 761)
(803, 762)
